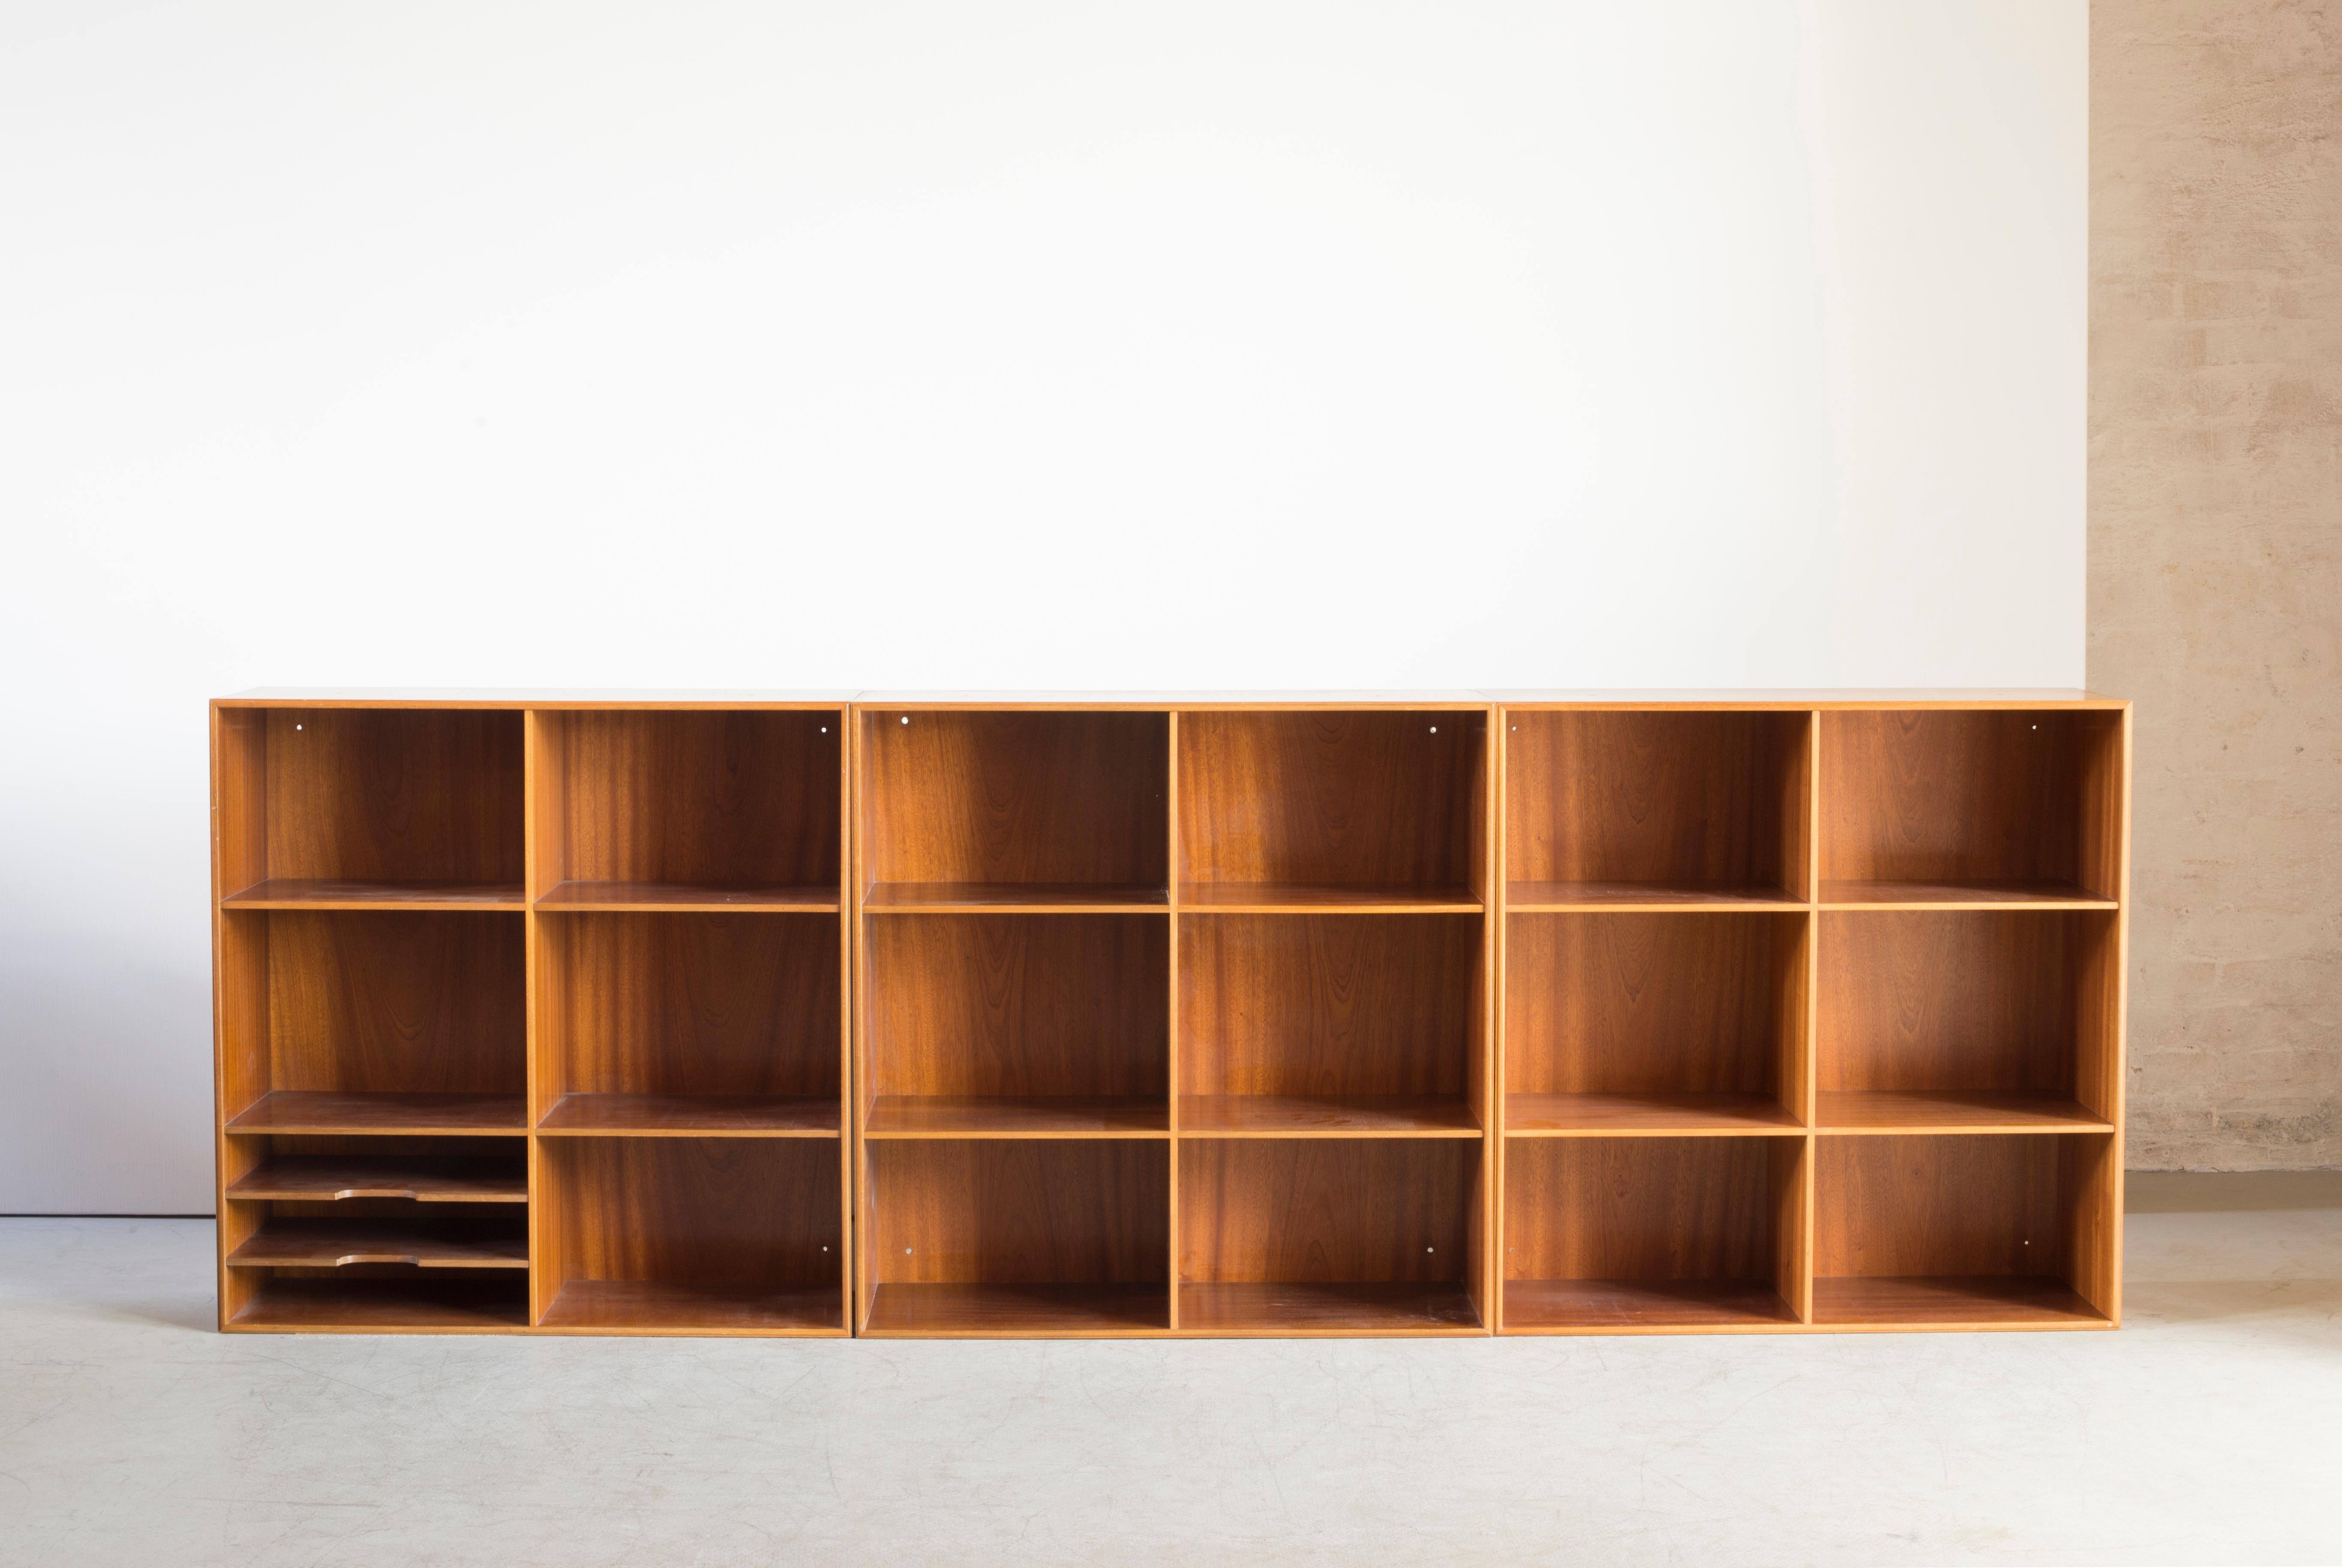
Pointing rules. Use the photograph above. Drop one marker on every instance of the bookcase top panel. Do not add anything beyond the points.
(524, 698)
(654, 697)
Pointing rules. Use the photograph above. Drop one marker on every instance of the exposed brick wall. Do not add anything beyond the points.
(2215, 559)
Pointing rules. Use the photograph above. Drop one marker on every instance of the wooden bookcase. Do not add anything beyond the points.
(1812, 1012)
(817, 1014)
(531, 1013)
(1173, 1017)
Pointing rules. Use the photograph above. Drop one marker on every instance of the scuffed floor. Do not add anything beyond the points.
(2206, 1432)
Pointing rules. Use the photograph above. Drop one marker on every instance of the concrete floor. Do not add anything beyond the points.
(2208, 1431)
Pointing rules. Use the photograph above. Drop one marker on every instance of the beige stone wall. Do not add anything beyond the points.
(2216, 558)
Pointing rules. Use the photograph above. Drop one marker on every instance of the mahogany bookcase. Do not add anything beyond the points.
(1396, 1014)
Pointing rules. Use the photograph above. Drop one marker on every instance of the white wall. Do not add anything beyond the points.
(1552, 342)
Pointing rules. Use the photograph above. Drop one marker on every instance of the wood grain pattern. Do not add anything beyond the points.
(462, 1304)
(1015, 1213)
(702, 1307)
(386, 795)
(692, 1004)
(294, 892)
(1327, 1007)
(1957, 1111)
(1654, 1005)
(761, 1213)
(678, 898)
(420, 1177)
(1328, 1116)
(330, 1112)
(1362, 800)
(1321, 898)
(1018, 1004)
(1016, 897)
(1641, 1208)
(1954, 1204)
(2031, 895)
(1567, 897)
(1324, 1211)
(1966, 1000)
(1705, 803)
(1953, 798)
(1014, 797)
(1645, 1305)
(1647, 1115)
(1017, 1116)
(1013, 1310)
(1952, 1303)
(739, 800)
(431, 1244)
(396, 1004)
(1346, 1309)
(693, 1115)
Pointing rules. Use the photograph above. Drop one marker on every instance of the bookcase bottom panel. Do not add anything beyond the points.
(720, 1307)
(1020, 1311)
(380, 1305)
(1653, 1306)
(1361, 1309)
(1951, 1303)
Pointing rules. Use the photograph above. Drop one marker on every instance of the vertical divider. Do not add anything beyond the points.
(860, 1277)
(850, 1092)
(1810, 1075)
(2121, 1074)
(1171, 1070)
(239, 978)
(537, 776)
(1489, 1058)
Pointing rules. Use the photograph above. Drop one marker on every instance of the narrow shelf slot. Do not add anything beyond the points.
(389, 1305)
(429, 1244)
(1850, 895)
(1326, 898)
(1646, 1115)
(1017, 1116)
(1015, 897)
(713, 1307)
(719, 898)
(1956, 1111)
(1563, 897)
(1013, 1310)
(307, 1111)
(1950, 1302)
(1326, 1115)
(316, 893)
(1299, 1310)
(693, 1115)
(1593, 1306)
(332, 1178)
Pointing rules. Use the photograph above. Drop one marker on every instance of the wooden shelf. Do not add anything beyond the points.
(1017, 1116)
(1887, 895)
(1015, 897)
(330, 1178)
(721, 1307)
(1325, 1115)
(1956, 1111)
(1044, 1311)
(312, 892)
(336, 1244)
(693, 1116)
(1572, 897)
(1644, 1305)
(1326, 898)
(1646, 1115)
(458, 1304)
(1953, 1302)
(288, 1111)
(1364, 1310)
(662, 897)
